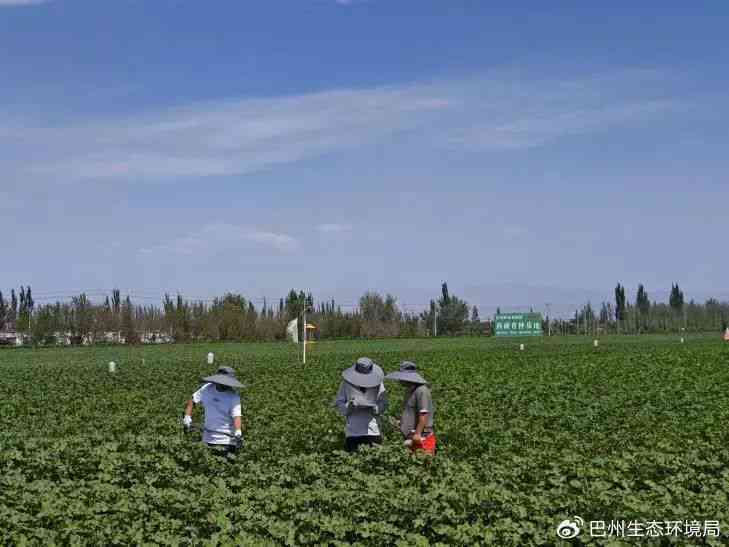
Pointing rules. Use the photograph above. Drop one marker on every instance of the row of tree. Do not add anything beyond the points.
(232, 317)
(228, 318)
(16, 311)
(644, 316)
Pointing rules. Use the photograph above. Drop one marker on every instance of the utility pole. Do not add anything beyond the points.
(304, 338)
(549, 318)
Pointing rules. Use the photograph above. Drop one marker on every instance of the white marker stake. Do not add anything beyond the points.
(112, 367)
(304, 340)
(211, 358)
(682, 339)
(595, 343)
(521, 347)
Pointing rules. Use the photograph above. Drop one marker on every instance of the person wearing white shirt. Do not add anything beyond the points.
(223, 423)
(361, 399)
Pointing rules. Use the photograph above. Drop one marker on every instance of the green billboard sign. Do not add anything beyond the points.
(518, 324)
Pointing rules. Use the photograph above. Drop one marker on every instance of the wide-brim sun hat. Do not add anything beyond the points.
(408, 373)
(225, 376)
(364, 373)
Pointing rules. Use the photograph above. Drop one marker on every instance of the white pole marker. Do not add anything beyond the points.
(304, 340)
(595, 343)
(521, 347)
(112, 367)
(211, 358)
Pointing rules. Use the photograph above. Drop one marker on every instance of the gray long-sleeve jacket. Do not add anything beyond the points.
(361, 420)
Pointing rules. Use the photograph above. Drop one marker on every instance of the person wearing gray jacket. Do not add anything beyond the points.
(416, 422)
(362, 400)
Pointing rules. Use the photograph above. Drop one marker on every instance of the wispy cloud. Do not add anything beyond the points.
(520, 112)
(334, 228)
(22, 2)
(222, 138)
(235, 137)
(513, 231)
(220, 237)
(8, 201)
(527, 131)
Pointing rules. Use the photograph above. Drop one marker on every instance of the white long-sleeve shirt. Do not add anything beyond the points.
(361, 421)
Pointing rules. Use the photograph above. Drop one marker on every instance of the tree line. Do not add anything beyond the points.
(643, 316)
(232, 317)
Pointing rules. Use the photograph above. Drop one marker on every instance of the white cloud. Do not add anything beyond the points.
(517, 112)
(8, 202)
(513, 231)
(334, 228)
(220, 237)
(242, 136)
(536, 130)
(220, 138)
(281, 242)
(22, 2)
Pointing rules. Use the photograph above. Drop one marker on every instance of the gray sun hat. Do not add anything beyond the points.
(224, 376)
(364, 373)
(408, 373)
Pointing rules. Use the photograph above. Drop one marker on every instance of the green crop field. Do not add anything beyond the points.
(636, 429)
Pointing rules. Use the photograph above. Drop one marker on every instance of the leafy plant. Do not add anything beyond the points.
(632, 430)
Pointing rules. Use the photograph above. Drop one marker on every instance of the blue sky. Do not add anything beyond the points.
(528, 154)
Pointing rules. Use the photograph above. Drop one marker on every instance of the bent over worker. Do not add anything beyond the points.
(416, 422)
(362, 400)
(222, 427)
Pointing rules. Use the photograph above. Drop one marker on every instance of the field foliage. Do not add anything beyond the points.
(634, 429)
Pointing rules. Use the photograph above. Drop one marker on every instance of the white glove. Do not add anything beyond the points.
(238, 439)
(238, 433)
(187, 421)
